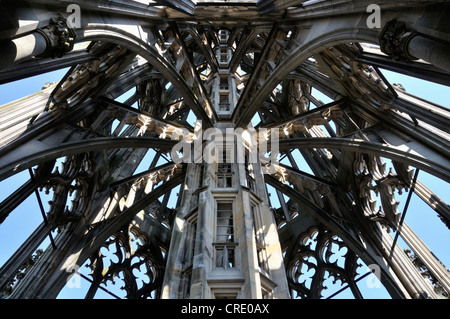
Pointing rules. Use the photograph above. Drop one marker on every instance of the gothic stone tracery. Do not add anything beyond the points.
(118, 208)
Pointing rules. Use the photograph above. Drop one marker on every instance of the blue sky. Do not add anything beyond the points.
(422, 219)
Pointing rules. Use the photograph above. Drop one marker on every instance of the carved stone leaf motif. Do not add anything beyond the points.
(72, 189)
(133, 191)
(374, 180)
(362, 82)
(9, 287)
(307, 186)
(315, 251)
(426, 273)
(87, 77)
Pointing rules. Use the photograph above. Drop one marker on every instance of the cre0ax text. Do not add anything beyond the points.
(232, 308)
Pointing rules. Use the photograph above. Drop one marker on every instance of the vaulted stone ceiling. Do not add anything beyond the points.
(279, 54)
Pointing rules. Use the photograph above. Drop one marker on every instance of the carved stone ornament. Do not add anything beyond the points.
(221, 150)
(59, 37)
(320, 255)
(394, 40)
(72, 189)
(129, 258)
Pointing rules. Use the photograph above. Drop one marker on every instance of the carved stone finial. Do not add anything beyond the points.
(59, 37)
(394, 40)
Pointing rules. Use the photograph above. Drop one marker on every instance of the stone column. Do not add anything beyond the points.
(432, 51)
(16, 50)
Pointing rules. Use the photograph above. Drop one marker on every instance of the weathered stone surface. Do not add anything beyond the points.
(136, 196)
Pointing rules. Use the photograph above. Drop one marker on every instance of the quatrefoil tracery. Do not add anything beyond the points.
(320, 256)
